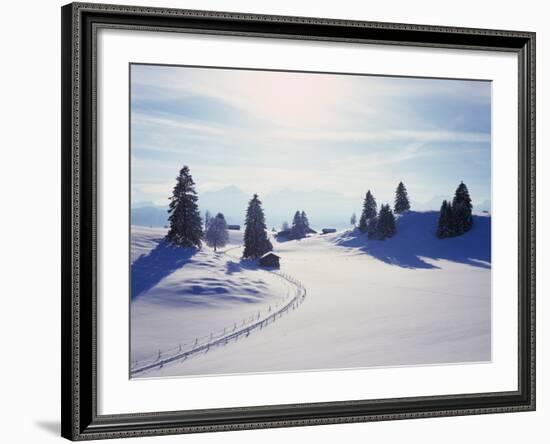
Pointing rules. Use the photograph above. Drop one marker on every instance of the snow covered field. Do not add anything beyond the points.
(179, 298)
(412, 299)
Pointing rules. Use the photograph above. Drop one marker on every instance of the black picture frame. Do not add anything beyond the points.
(80, 419)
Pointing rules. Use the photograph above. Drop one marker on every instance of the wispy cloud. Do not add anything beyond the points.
(270, 130)
(381, 135)
(140, 119)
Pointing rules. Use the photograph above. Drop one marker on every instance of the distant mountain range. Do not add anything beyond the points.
(149, 216)
(324, 208)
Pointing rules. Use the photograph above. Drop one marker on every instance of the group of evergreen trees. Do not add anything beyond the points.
(186, 229)
(300, 225)
(185, 223)
(369, 212)
(381, 225)
(455, 218)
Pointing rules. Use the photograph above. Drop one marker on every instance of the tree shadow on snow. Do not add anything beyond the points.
(234, 266)
(416, 240)
(148, 270)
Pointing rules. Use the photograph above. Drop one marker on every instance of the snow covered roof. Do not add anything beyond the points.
(270, 253)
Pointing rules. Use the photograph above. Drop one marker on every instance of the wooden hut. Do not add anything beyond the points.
(270, 259)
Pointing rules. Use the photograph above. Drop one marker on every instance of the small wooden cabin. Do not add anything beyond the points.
(270, 259)
(329, 230)
(234, 227)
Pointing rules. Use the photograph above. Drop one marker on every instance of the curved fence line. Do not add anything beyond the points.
(223, 335)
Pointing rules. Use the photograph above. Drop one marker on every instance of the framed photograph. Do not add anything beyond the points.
(280, 221)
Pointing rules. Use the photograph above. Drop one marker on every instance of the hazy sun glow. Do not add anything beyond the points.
(266, 131)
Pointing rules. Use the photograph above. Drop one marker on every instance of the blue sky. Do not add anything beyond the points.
(265, 132)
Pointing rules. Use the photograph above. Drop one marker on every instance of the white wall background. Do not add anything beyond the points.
(30, 220)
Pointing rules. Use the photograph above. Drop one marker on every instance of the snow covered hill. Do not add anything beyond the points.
(412, 299)
(416, 246)
(180, 295)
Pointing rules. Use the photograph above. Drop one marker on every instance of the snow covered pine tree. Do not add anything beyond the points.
(368, 213)
(217, 234)
(401, 203)
(185, 228)
(353, 220)
(256, 242)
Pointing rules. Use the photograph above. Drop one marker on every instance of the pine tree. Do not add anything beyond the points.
(305, 222)
(185, 220)
(445, 221)
(298, 230)
(296, 222)
(353, 220)
(285, 226)
(372, 227)
(401, 199)
(369, 211)
(217, 234)
(385, 227)
(462, 210)
(207, 219)
(256, 242)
